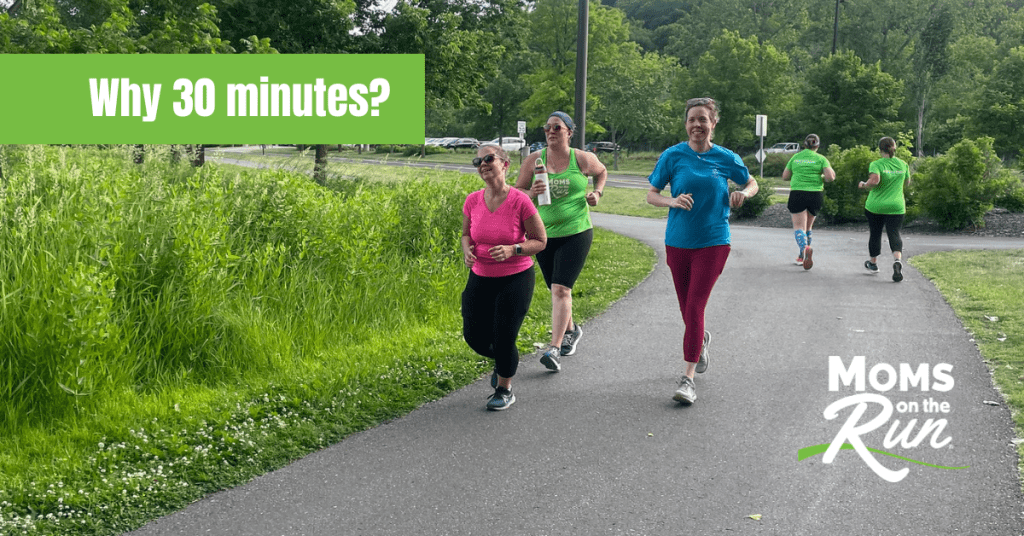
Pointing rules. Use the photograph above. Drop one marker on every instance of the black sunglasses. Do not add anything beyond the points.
(556, 128)
(484, 160)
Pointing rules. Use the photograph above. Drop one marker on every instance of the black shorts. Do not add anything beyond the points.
(562, 260)
(801, 200)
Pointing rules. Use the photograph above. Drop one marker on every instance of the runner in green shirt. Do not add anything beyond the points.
(885, 206)
(807, 172)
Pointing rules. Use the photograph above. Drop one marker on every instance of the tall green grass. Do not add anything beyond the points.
(121, 277)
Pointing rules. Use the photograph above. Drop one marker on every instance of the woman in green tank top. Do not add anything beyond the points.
(567, 221)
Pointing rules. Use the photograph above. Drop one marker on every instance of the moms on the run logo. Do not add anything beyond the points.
(919, 393)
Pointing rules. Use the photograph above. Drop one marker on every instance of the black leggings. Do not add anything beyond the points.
(563, 258)
(892, 224)
(493, 309)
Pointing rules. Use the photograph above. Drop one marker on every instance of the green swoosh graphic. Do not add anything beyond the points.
(814, 450)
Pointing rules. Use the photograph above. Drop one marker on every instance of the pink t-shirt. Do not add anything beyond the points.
(505, 226)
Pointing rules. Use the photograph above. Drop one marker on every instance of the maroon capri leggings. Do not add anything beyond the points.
(694, 272)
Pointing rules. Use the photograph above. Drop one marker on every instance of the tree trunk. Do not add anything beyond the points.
(920, 128)
(320, 165)
(198, 155)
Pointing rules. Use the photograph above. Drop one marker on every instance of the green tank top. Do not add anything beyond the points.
(568, 213)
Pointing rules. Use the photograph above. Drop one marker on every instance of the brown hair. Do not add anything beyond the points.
(888, 146)
(702, 101)
(498, 150)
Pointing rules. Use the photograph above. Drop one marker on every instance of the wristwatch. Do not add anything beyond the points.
(519, 249)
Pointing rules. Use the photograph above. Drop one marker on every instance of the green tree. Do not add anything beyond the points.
(460, 40)
(850, 103)
(293, 26)
(552, 41)
(747, 79)
(634, 105)
(931, 61)
(1000, 112)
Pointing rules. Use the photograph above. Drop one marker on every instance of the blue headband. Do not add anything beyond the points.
(565, 119)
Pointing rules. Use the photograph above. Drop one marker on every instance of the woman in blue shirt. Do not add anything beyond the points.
(697, 235)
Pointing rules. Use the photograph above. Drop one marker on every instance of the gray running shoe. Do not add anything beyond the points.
(571, 339)
(687, 392)
(501, 399)
(702, 364)
(550, 358)
(872, 267)
(897, 271)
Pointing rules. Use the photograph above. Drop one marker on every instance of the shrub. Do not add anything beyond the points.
(1013, 198)
(774, 164)
(754, 206)
(844, 201)
(959, 187)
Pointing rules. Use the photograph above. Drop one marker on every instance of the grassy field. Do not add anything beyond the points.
(986, 290)
(170, 332)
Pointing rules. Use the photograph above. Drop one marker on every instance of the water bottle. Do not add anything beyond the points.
(540, 173)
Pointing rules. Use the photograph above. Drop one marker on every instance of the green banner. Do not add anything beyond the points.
(211, 99)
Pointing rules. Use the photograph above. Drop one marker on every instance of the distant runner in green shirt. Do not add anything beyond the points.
(885, 206)
(807, 172)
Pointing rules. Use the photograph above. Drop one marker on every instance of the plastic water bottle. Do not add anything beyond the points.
(540, 173)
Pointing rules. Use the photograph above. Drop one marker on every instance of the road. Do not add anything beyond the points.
(601, 448)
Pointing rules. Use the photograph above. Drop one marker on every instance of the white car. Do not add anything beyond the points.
(788, 147)
(509, 143)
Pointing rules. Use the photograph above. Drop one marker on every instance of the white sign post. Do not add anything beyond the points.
(525, 149)
(761, 130)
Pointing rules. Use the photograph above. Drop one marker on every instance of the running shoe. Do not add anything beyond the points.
(687, 392)
(807, 258)
(501, 399)
(799, 260)
(702, 364)
(872, 267)
(550, 358)
(897, 271)
(571, 339)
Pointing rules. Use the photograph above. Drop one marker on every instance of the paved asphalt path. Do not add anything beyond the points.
(601, 448)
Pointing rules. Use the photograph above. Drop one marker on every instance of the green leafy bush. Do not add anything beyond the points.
(1013, 198)
(754, 206)
(959, 187)
(844, 201)
(774, 164)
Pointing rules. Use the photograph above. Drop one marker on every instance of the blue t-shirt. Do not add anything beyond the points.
(705, 176)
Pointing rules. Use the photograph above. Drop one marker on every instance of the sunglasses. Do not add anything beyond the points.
(484, 160)
(556, 128)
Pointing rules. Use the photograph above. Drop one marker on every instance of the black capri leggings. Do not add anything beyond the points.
(563, 258)
(892, 224)
(493, 309)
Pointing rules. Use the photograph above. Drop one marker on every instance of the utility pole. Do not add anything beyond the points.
(581, 74)
(835, 28)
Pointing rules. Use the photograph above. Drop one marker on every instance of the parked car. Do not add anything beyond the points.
(602, 146)
(509, 143)
(537, 145)
(786, 147)
(441, 142)
(464, 143)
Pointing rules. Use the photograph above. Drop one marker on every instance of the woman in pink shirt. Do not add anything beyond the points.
(501, 229)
